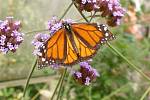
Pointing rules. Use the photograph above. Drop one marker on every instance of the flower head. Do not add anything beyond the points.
(86, 74)
(111, 9)
(10, 37)
(54, 24)
(87, 5)
(38, 42)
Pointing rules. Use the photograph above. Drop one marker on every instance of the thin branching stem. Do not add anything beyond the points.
(66, 10)
(80, 12)
(130, 63)
(67, 84)
(38, 93)
(86, 17)
(92, 16)
(122, 88)
(61, 84)
(29, 77)
(90, 92)
(145, 94)
(42, 30)
(57, 87)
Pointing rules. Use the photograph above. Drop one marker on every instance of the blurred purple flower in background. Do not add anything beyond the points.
(10, 37)
(86, 74)
(111, 9)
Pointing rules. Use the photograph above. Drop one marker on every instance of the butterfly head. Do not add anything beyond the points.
(67, 26)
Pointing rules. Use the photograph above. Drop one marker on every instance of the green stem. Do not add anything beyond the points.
(92, 16)
(59, 19)
(122, 88)
(36, 31)
(132, 65)
(59, 91)
(90, 92)
(36, 95)
(145, 93)
(80, 12)
(57, 87)
(67, 84)
(86, 18)
(29, 77)
(66, 10)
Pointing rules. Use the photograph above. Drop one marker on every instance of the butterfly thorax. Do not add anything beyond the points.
(70, 33)
(67, 26)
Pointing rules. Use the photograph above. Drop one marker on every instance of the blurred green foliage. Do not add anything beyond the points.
(115, 72)
(117, 80)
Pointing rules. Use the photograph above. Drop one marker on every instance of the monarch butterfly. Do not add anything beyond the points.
(73, 43)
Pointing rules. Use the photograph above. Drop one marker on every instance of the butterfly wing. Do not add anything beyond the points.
(54, 50)
(85, 41)
(84, 52)
(88, 37)
(63, 49)
(77, 51)
(92, 34)
(72, 56)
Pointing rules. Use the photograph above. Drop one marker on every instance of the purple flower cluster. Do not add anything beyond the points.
(54, 24)
(10, 37)
(110, 9)
(38, 42)
(87, 5)
(86, 74)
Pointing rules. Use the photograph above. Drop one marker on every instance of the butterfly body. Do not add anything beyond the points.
(74, 43)
(70, 33)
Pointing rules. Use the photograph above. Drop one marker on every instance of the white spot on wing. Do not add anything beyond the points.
(43, 47)
(106, 34)
(103, 25)
(43, 59)
(105, 28)
(100, 29)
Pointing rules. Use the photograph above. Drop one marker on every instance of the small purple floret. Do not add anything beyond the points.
(86, 74)
(78, 74)
(87, 81)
